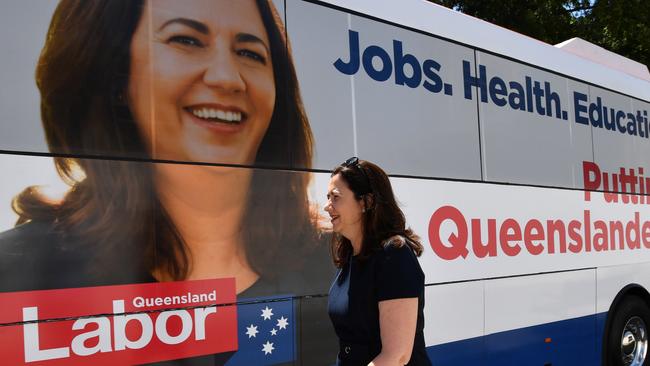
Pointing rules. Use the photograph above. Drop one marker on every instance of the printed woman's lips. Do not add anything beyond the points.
(215, 114)
(217, 118)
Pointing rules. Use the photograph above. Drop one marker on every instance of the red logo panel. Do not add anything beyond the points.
(128, 324)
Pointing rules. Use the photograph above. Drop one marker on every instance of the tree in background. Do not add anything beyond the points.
(621, 26)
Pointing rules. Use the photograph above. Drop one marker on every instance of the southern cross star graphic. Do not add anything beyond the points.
(266, 333)
(283, 322)
(267, 313)
(268, 348)
(251, 331)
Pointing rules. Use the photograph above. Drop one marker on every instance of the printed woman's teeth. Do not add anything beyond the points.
(206, 113)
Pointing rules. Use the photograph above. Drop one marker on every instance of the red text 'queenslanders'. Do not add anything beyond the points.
(547, 235)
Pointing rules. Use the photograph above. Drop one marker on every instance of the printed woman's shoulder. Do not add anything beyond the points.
(31, 239)
(34, 257)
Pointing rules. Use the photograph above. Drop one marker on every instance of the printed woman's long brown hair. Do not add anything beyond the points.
(82, 75)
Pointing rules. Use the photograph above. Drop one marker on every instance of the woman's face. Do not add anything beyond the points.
(345, 210)
(201, 84)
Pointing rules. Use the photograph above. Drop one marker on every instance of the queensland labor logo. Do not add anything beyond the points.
(111, 325)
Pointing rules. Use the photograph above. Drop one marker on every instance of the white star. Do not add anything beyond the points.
(267, 313)
(274, 331)
(268, 348)
(282, 323)
(251, 331)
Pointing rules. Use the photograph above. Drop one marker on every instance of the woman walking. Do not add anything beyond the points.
(376, 301)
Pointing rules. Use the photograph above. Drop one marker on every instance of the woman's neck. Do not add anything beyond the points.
(207, 206)
(356, 241)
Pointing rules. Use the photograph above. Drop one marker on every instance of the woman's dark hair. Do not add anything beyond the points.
(82, 75)
(382, 218)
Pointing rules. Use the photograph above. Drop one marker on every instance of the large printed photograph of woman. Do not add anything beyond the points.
(208, 90)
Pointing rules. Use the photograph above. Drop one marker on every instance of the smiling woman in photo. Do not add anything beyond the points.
(207, 90)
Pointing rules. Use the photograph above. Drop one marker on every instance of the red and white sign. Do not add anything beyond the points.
(111, 325)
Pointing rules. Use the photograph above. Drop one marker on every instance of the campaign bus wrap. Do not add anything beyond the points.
(158, 152)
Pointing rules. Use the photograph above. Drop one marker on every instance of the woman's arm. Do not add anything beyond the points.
(397, 321)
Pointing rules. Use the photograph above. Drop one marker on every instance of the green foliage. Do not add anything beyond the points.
(620, 26)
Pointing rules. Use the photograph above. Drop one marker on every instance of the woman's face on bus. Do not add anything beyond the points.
(201, 84)
(345, 210)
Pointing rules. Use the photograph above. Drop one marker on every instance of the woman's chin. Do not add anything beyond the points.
(217, 155)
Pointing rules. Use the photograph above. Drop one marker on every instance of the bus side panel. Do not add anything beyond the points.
(535, 320)
(620, 141)
(427, 127)
(317, 340)
(318, 36)
(642, 112)
(454, 319)
(526, 138)
(611, 280)
(389, 95)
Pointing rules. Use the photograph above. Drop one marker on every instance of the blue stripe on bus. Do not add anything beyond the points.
(576, 341)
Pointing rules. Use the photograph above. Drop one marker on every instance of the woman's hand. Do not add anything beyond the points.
(397, 322)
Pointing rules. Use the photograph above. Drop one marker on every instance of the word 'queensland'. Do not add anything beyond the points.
(425, 73)
(188, 298)
(535, 237)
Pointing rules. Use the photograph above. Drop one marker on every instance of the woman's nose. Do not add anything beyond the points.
(223, 72)
(328, 207)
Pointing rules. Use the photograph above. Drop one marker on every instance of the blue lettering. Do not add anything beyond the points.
(579, 108)
(470, 81)
(552, 98)
(529, 94)
(539, 94)
(435, 85)
(609, 120)
(386, 70)
(378, 64)
(497, 91)
(352, 66)
(597, 108)
(517, 98)
(631, 124)
(639, 119)
(619, 116)
(400, 61)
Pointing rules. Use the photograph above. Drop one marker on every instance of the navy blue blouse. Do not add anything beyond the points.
(353, 304)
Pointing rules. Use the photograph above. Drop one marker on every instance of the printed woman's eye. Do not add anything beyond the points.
(185, 41)
(253, 55)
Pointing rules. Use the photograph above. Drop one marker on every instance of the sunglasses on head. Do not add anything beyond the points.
(353, 162)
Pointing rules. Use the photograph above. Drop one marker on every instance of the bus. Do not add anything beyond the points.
(165, 163)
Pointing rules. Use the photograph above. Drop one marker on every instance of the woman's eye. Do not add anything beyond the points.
(186, 41)
(252, 55)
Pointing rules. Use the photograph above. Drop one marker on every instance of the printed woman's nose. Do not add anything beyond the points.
(223, 73)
